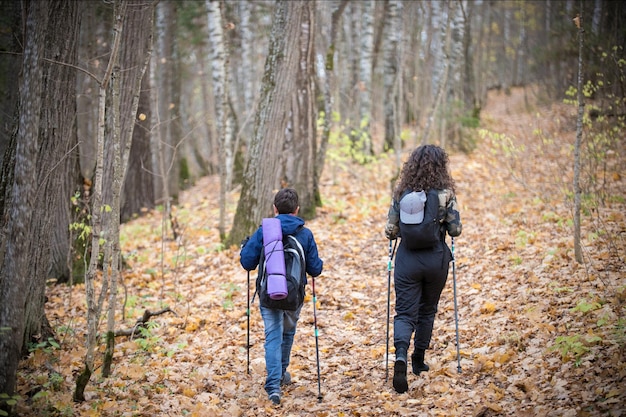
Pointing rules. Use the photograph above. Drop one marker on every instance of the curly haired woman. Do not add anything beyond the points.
(420, 274)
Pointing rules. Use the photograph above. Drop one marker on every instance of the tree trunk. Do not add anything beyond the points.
(265, 167)
(11, 12)
(300, 147)
(578, 253)
(139, 183)
(392, 67)
(219, 75)
(363, 136)
(94, 306)
(167, 106)
(40, 162)
(14, 277)
(131, 49)
(444, 68)
(135, 51)
(326, 77)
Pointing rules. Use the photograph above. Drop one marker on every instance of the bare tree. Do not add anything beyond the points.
(579, 133)
(131, 50)
(166, 102)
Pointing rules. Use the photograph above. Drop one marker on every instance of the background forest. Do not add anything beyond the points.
(142, 142)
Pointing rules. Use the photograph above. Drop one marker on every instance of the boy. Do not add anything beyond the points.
(280, 325)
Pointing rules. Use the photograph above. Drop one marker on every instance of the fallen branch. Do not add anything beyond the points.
(147, 315)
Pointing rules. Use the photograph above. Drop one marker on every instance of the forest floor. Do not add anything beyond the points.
(540, 334)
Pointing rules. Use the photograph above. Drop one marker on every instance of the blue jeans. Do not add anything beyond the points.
(280, 329)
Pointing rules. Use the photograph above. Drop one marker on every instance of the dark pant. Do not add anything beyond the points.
(419, 278)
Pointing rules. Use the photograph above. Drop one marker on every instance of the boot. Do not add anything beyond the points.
(417, 361)
(399, 371)
(399, 377)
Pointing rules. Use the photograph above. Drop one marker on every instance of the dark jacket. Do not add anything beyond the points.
(291, 225)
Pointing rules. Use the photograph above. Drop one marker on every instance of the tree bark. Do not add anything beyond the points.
(10, 62)
(300, 147)
(265, 166)
(135, 52)
(363, 136)
(219, 75)
(43, 154)
(14, 278)
(578, 252)
(392, 68)
(138, 192)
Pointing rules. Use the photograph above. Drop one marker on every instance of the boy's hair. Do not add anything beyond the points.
(286, 201)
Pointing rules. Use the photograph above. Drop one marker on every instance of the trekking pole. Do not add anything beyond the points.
(317, 350)
(248, 337)
(456, 316)
(391, 251)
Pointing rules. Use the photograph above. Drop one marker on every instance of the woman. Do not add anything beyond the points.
(420, 274)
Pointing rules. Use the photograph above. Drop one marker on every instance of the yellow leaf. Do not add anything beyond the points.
(502, 357)
(192, 326)
(488, 308)
(189, 392)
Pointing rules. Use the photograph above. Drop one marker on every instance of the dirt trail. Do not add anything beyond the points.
(516, 283)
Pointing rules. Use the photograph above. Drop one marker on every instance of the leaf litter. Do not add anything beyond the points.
(539, 333)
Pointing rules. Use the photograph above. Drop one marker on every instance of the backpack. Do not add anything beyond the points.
(420, 223)
(294, 274)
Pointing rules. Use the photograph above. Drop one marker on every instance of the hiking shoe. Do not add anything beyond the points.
(417, 362)
(275, 399)
(419, 367)
(399, 377)
(286, 379)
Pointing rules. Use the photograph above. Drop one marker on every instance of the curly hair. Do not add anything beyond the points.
(426, 168)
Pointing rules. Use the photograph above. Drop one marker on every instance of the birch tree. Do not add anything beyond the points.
(223, 121)
(392, 64)
(362, 134)
(443, 67)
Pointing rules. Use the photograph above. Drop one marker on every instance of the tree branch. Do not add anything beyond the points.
(147, 315)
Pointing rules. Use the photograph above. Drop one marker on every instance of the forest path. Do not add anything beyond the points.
(516, 280)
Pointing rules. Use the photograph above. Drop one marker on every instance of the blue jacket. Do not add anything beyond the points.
(291, 225)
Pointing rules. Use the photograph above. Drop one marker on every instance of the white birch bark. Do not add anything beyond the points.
(443, 67)
(219, 75)
(392, 65)
(365, 75)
